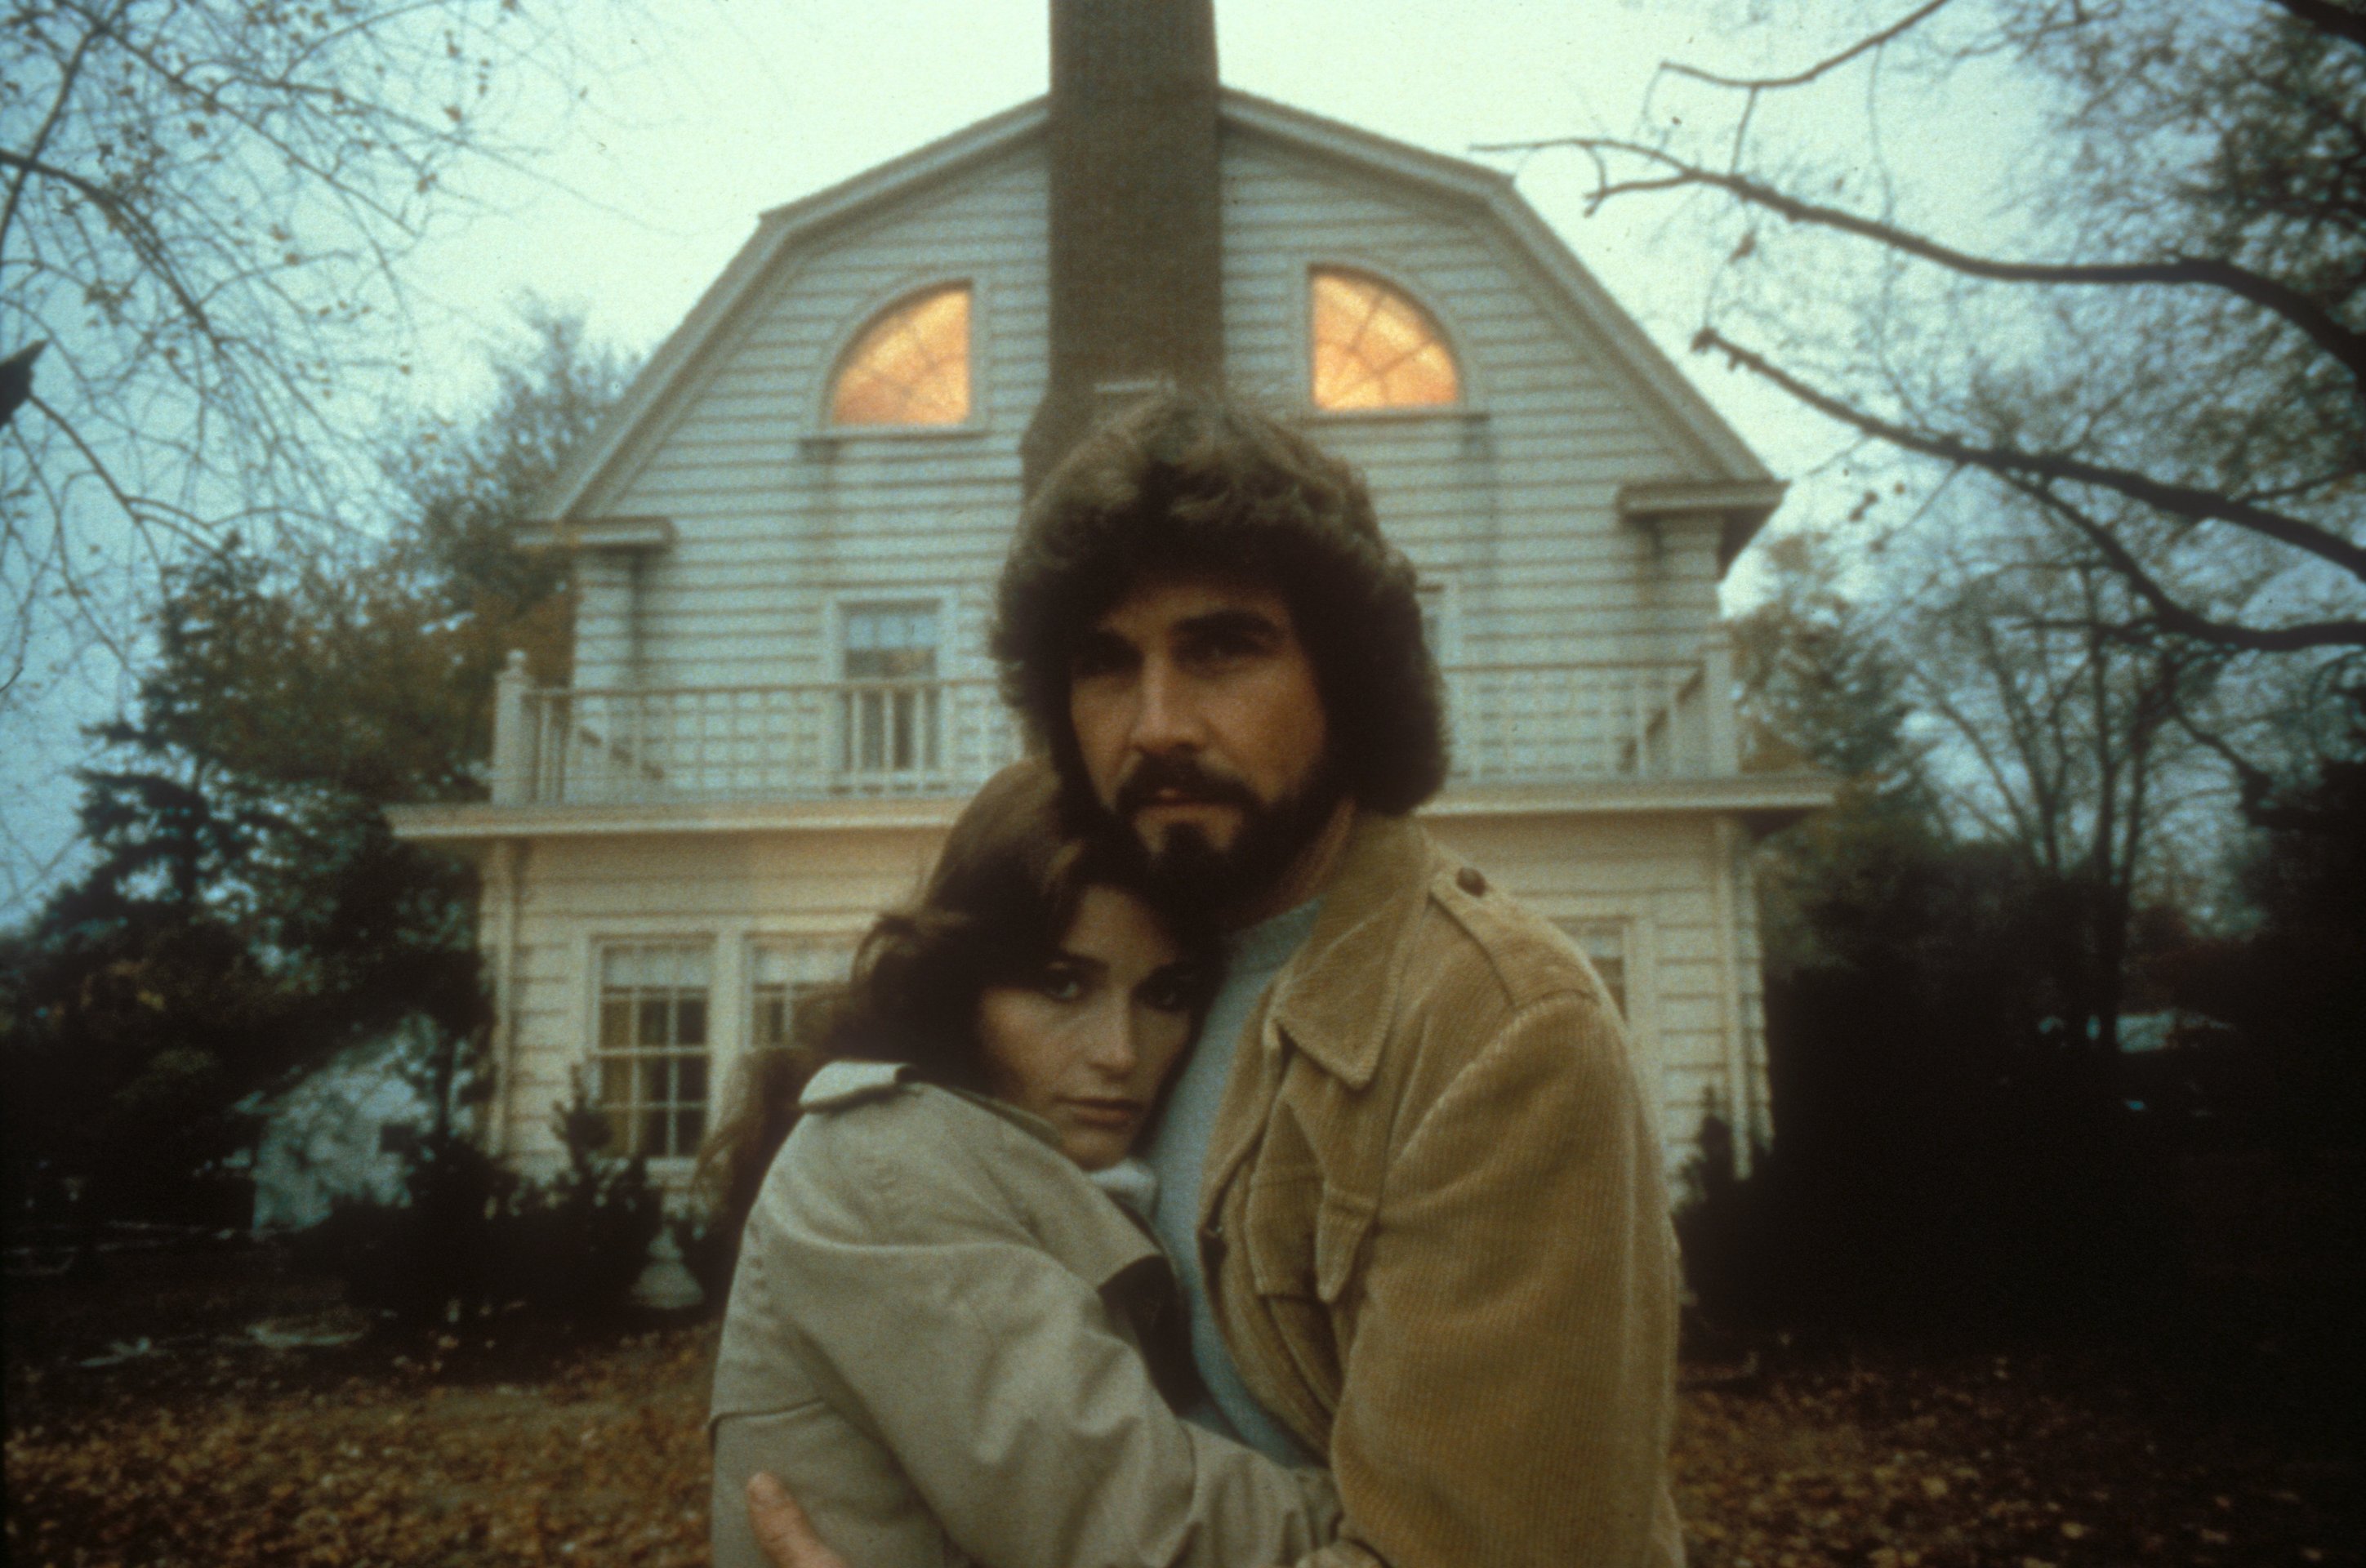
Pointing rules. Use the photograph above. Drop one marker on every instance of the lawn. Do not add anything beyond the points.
(231, 1439)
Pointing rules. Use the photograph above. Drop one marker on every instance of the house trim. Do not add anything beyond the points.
(603, 534)
(1762, 802)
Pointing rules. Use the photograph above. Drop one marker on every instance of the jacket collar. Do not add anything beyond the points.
(1329, 996)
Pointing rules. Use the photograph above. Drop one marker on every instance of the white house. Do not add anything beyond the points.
(786, 538)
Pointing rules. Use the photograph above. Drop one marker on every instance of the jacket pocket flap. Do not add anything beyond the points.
(1339, 1229)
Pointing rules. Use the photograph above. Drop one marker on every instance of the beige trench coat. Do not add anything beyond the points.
(1435, 1222)
(926, 1340)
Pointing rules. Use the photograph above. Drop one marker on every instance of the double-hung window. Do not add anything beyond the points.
(652, 1059)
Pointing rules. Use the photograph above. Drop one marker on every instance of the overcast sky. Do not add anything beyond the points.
(700, 114)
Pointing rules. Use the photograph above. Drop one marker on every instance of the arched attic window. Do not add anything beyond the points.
(910, 366)
(1374, 348)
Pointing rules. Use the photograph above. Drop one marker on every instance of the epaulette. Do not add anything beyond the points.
(841, 1084)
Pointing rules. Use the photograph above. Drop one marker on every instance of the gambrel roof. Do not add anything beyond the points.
(1740, 485)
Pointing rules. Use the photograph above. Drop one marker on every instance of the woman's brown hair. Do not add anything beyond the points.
(995, 908)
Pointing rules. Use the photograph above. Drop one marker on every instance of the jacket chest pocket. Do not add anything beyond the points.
(1301, 1244)
(1303, 1239)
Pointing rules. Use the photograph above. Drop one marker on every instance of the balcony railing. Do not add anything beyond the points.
(868, 739)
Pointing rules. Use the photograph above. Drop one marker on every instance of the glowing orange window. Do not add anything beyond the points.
(1374, 348)
(909, 367)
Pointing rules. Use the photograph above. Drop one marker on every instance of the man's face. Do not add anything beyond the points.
(1202, 732)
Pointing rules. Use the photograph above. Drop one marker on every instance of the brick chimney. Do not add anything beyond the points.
(1137, 239)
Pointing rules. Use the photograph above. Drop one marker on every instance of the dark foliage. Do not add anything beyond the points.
(249, 913)
(469, 1238)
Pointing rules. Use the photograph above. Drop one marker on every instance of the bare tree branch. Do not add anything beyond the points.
(2176, 500)
(2177, 618)
(2329, 18)
(2320, 325)
(1864, 45)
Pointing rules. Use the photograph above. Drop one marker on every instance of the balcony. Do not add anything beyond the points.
(1514, 725)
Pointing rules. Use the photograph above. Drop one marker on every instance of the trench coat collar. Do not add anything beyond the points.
(851, 1081)
(1329, 997)
(1101, 1240)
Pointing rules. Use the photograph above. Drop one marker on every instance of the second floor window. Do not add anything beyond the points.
(1374, 348)
(891, 709)
(910, 366)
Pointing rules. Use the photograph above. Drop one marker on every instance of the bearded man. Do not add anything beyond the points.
(1406, 1178)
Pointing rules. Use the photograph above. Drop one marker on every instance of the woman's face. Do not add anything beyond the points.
(1087, 1041)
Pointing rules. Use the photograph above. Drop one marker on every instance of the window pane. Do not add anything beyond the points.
(1372, 347)
(652, 1029)
(910, 367)
(690, 1019)
(1603, 943)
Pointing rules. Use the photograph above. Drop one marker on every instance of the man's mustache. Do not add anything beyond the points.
(1181, 779)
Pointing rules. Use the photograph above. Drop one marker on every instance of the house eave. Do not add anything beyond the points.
(470, 827)
(1741, 506)
(1764, 801)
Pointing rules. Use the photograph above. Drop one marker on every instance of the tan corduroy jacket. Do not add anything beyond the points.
(934, 1338)
(1435, 1222)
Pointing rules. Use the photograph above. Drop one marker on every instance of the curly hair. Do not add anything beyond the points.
(997, 905)
(1197, 485)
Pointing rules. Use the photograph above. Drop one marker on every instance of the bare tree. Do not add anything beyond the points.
(204, 206)
(2159, 338)
(2060, 735)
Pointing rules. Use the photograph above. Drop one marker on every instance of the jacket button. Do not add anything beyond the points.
(1470, 880)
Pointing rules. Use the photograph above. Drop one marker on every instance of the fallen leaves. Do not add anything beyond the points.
(1989, 1462)
(473, 1448)
(606, 1465)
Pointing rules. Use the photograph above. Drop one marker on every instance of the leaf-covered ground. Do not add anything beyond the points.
(504, 1444)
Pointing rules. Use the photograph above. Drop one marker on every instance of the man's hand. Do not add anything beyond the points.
(783, 1529)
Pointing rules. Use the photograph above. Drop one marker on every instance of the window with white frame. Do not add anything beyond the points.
(892, 708)
(783, 977)
(650, 1061)
(1603, 943)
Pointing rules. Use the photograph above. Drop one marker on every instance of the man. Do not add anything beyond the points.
(1406, 1178)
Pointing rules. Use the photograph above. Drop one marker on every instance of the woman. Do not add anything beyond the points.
(942, 1332)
